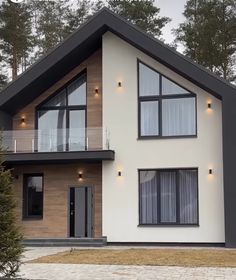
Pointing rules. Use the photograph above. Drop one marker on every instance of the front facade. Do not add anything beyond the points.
(200, 149)
(108, 139)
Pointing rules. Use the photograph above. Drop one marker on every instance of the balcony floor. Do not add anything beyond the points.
(58, 157)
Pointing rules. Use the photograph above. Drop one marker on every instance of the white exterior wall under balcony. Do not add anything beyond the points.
(120, 115)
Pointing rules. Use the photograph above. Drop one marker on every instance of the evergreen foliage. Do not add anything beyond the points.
(78, 14)
(15, 35)
(49, 20)
(10, 236)
(209, 35)
(144, 14)
(32, 28)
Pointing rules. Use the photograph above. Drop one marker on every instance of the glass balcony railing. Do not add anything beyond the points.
(56, 140)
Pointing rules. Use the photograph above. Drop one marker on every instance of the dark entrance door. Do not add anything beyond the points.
(81, 211)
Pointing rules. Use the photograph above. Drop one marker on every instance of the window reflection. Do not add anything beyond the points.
(62, 119)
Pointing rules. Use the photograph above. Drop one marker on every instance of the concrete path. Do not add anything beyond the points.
(114, 272)
(37, 252)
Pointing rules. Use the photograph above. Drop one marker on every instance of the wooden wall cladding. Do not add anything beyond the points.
(93, 65)
(57, 181)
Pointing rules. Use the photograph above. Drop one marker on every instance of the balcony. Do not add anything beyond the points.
(56, 145)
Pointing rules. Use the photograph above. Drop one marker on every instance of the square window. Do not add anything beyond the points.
(168, 197)
(178, 117)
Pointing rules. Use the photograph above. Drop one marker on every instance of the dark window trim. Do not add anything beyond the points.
(83, 72)
(25, 216)
(67, 108)
(159, 98)
(164, 224)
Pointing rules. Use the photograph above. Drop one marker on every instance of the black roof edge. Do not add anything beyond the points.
(103, 21)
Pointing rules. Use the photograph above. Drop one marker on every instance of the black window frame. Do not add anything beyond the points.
(159, 98)
(177, 223)
(66, 107)
(25, 215)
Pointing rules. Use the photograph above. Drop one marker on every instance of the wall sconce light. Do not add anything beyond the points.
(22, 120)
(96, 91)
(119, 173)
(209, 105)
(210, 171)
(80, 176)
(119, 84)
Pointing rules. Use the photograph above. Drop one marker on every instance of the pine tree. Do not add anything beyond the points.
(209, 34)
(3, 80)
(15, 34)
(98, 5)
(77, 15)
(49, 23)
(3, 76)
(144, 14)
(10, 236)
(226, 39)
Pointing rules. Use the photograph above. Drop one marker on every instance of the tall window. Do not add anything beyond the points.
(33, 196)
(168, 196)
(165, 108)
(62, 119)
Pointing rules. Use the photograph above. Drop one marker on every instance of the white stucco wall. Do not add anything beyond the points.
(120, 116)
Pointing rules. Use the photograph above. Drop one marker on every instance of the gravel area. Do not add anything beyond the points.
(117, 272)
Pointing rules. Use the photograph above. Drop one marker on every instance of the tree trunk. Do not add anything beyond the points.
(225, 63)
(14, 64)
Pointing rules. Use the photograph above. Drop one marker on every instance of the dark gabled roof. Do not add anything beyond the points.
(84, 42)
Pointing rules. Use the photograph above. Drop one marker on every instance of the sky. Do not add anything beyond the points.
(174, 10)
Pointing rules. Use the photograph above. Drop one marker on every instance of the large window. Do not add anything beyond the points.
(33, 196)
(165, 108)
(168, 196)
(62, 119)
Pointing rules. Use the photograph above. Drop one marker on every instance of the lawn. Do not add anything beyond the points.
(160, 257)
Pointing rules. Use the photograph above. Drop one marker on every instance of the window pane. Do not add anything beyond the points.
(188, 196)
(148, 197)
(77, 139)
(58, 100)
(178, 117)
(77, 91)
(34, 185)
(148, 81)
(51, 131)
(168, 197)
(169, 87)
(149, 118)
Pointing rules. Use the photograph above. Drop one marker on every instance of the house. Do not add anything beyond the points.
(115, 136)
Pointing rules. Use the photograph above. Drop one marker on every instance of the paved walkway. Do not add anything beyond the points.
(115, 272)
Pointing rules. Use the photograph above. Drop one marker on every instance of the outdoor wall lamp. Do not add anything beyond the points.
(22, 120)
(210, 171)
(96, 91)
(209, 105)
(119, 173)
(80, 176)
(119, 84)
